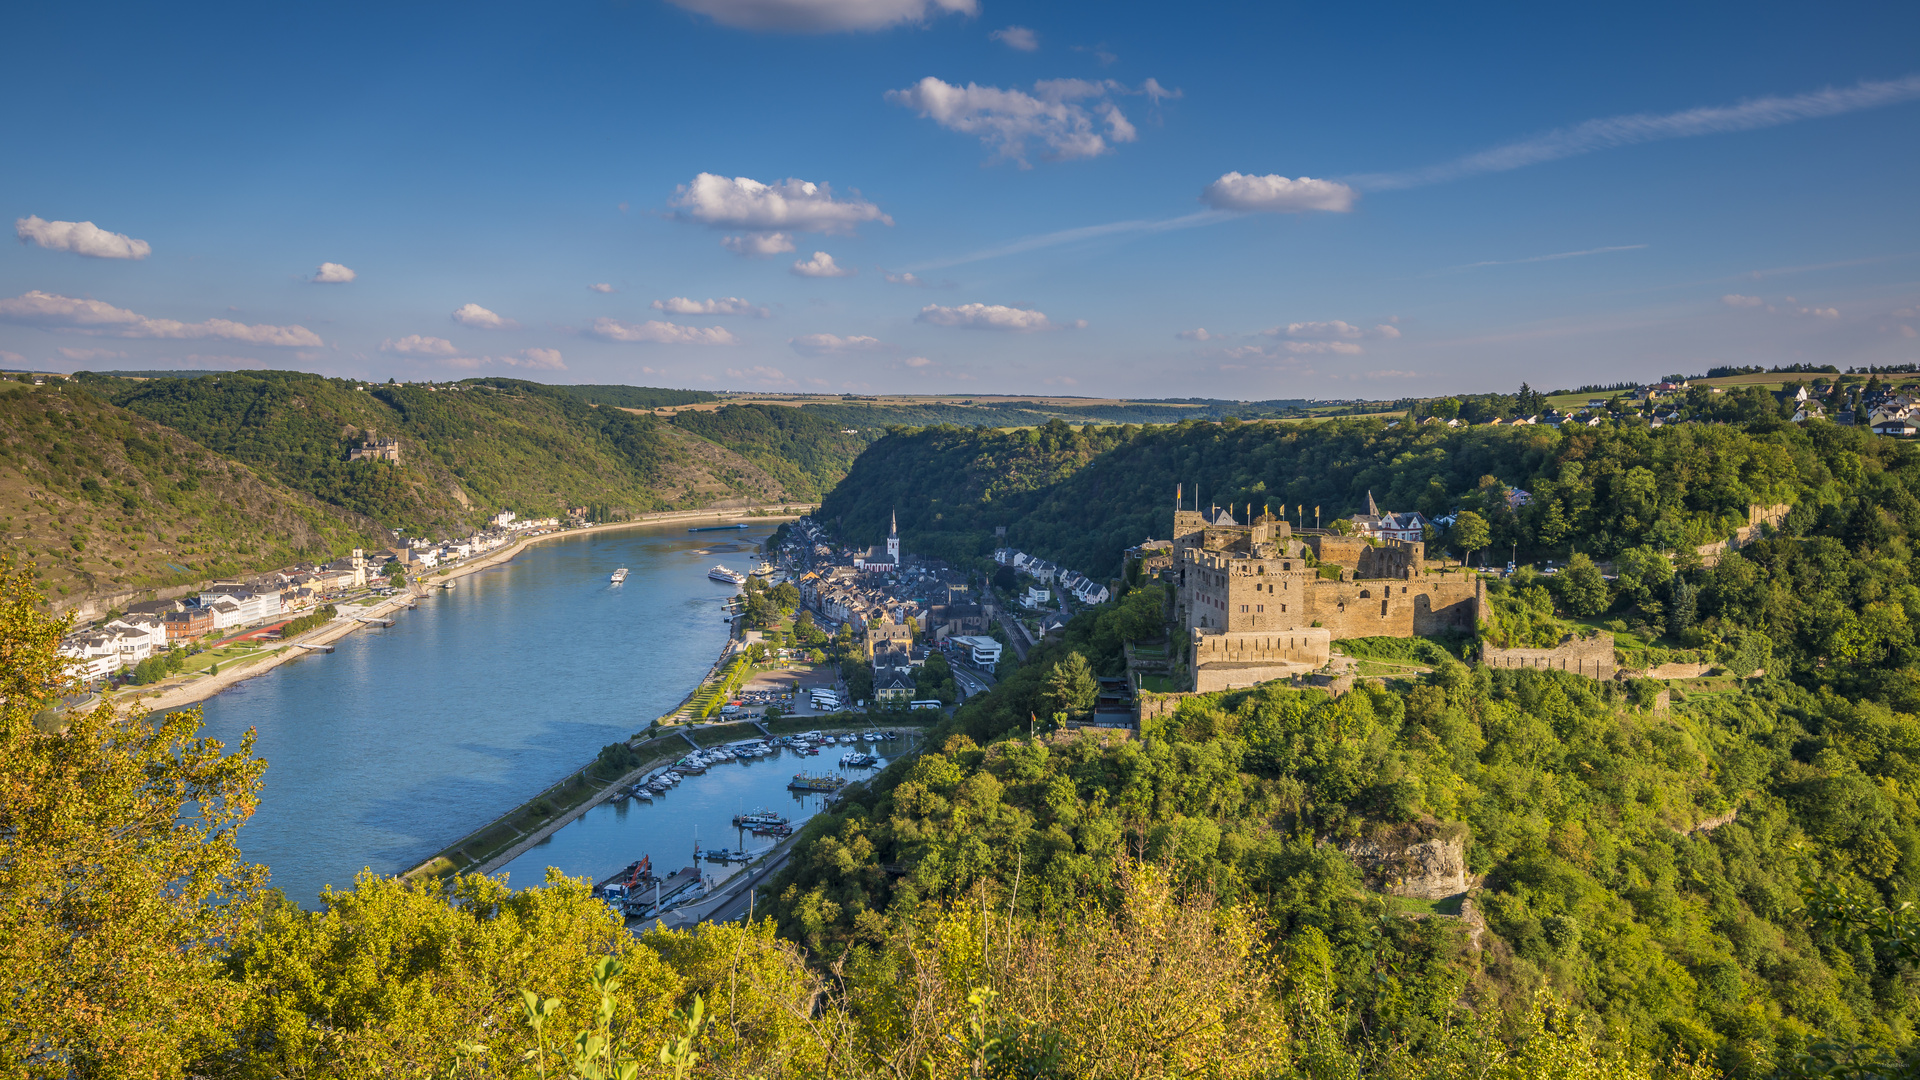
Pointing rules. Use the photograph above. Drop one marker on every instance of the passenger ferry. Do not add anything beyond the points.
(619, 575)
(731, 577)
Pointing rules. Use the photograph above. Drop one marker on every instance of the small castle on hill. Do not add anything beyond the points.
(1260, 601)
(376, 449)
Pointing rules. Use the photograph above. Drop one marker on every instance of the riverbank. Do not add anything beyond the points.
(166, 696)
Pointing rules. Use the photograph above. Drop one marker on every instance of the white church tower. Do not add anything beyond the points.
(893, 540)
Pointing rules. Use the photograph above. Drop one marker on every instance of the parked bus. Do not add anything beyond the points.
(929, 703)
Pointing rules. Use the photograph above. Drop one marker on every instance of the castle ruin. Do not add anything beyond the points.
(1260, 601)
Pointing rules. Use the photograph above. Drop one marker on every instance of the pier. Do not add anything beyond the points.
(315, 648)
(375, 622)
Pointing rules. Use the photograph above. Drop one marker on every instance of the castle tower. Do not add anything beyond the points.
(893, 540)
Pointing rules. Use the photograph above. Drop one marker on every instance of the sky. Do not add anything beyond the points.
(1242, 201)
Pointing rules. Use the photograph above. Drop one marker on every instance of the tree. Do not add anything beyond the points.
(1447, 408)
(120, 883)
(1582, 588)
(1470, 531)
(1069, 687)
(1682, 605)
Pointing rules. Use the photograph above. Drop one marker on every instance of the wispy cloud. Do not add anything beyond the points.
(1084, 232)
(1614, 131)
(50, 311)
(1550, 258)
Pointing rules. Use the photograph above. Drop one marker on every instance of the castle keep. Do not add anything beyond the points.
(1260, 601)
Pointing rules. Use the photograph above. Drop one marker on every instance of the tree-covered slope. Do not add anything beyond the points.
(1082, 496)
(103, 501)
(806, 452)
(468, 449)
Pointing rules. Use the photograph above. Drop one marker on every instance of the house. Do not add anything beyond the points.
(1895, 427)
(1037, 596)
(892, 684)
(247, 604)
(189, 625)
(94, 655)
(1596, 403)
(984, 650)
(1410, 526)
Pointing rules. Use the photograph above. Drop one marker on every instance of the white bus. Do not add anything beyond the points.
(929, 703)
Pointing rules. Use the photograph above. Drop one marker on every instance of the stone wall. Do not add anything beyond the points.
(1407, 607)
(1229, 660)
(1592, 657)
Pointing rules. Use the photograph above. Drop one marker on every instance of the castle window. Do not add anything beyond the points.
(1365, 594)
(1243, 609)
(1262, 607)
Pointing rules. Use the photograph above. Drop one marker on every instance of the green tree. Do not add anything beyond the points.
(120, 883)
(1581, 587)
(1070, 687)
(1471, 532)
(1447, 408)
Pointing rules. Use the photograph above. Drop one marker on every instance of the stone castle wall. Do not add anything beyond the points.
(1592, 657)
(1388, 607)
(1229, 660)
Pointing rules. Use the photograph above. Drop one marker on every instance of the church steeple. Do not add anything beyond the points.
(1372, 510)
(893, 540)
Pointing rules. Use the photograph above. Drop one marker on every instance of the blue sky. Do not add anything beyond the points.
(1011, 198)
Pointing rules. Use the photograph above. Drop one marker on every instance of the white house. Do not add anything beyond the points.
(1037, 596)
(985, 650)
(249, 605)
(96, 655)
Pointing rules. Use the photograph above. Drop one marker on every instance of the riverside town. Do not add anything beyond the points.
(989, 543)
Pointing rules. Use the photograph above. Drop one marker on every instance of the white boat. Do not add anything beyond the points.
(731, 577)
(619, 575)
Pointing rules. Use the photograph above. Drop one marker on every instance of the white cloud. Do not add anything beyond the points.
(660, 333)
(798, 205)
(49, 311)
(418, 345)
(81, 238)
(1736, 300)
(1791, 306)
(984, 317)
(759, 245)
(1277, 194)
(481, 319)
(905, 278)
(1061, 380)
(7, 356)
(1053, 115)
(825, 16)
(538, 359)
(86, 355)
(1908, 331)
(917, 361)
(1387, 330)
(218, 360)
(1614, 131)
(761, 374)
(726, 305)
(601, 287)
(1196, 334)
(332, 274)
(1017, 37)
(1338, 328)
(821, 265)
(833, 344)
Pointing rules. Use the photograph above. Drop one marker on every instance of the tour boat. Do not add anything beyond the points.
(717, 528)
(619, 575)
(731, 577)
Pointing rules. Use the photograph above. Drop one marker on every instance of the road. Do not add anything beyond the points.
(970, 682)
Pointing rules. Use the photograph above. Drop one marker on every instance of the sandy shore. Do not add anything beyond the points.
(165, 696)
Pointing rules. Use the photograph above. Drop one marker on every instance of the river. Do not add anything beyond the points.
(405, 739)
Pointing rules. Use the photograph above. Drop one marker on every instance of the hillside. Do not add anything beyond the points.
(468, 449)
(1082, 496)
(805, 451)
(104, 502)
(1652, 854)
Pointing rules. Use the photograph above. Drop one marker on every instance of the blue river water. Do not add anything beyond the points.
(405, 739)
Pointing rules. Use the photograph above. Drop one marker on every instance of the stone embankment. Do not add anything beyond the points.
(1589, 656)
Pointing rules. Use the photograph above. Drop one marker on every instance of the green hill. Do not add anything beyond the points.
(106, 502)
(468, 449)
(1081, 496)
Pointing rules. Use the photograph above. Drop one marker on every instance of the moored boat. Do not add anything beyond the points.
(730, 577)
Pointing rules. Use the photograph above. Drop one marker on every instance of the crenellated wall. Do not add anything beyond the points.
(1592, 657)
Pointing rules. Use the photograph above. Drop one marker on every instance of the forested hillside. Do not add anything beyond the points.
(103, 501)
(1664, 860)
(633, 397)
(468, 449)
(806, 452)
(1081, 496)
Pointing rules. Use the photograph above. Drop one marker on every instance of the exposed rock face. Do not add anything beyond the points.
(1426, 861)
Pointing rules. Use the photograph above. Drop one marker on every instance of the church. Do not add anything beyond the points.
(870, 560)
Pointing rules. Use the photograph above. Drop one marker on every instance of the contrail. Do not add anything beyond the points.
(1612, 131)
(1550, 258)
(1085, 232)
